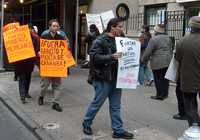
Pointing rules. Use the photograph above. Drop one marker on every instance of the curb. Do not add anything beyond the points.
(26, 120)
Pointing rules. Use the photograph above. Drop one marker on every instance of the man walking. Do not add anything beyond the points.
(54, 81)
(188, 56)
(103, 69)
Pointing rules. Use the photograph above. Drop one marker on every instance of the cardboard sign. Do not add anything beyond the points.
(11, 26)
(128, 66)
(94, 19)
(106, 17)
(18, 44)
(54, 58)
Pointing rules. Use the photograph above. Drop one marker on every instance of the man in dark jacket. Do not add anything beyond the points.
(188, 56)
(54, 81)
(104, 65)
(23, 70)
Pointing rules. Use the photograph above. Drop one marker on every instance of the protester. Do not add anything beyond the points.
(188, 56)
(23, 70)
(144, 70)
(159, 52)
(103, 57)
(54, 81)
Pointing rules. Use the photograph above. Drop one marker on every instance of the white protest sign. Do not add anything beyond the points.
(105, 17)
(128, 64)
(94, 19)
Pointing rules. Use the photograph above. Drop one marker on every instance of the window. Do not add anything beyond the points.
(155, 15)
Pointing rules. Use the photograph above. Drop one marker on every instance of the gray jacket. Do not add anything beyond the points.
(159, 51)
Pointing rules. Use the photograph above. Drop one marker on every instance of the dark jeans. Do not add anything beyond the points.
(24, 84)
(180, 99)
(161, 84)
(191, 108)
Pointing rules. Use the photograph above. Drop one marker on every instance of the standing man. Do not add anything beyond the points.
(188, 56)
(103, 58)
(159, 52)
(54, 81)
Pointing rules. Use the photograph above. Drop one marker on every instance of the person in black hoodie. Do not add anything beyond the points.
(23, 70)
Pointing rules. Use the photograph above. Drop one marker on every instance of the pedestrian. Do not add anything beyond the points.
(144, 70)
(159, 52)
(23, 70)
(55, 82)
(187, 54)
(104, 62)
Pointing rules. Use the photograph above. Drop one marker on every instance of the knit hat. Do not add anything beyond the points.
(159, 28)
(194, 21)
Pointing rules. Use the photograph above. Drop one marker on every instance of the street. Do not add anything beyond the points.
(147, 118)
(11, 128)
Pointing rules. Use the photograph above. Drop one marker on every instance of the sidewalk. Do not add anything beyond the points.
(147, 119)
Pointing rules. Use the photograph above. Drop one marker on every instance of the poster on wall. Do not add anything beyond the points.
(105, 17)
(128, 64)
(94, 19)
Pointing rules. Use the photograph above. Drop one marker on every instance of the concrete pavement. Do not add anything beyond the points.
(147, 119)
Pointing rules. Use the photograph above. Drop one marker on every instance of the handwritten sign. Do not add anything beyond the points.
(18, 43)
(106, 17)
(11, 26)
(53, 61)
(128, 66)
(94, 19)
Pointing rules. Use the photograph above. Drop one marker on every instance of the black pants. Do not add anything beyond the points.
(161, 84)
(24, 83)
(191, 108)
(180, 99)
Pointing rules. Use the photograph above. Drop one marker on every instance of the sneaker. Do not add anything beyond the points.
(87, 130)
(40, 100)
(179, 117)
(23, 100)
(28, 96)
(125, 135)
(57, 107)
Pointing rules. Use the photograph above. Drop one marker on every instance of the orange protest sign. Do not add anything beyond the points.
(70, 59)
(53, 60)
(11, 26)
(18, 44)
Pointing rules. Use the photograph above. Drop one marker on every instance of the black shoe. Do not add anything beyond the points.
(125, 135)
(150, 83)
(23, 100)
(157, 98)
(57, 107)
(28, 96)
(40, 100)
(179, 117)
(87, 130)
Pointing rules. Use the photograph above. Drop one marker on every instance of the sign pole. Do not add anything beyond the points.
(1, 47)
(77, 24)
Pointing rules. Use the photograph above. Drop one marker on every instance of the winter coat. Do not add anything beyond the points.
(188, 56)
(158, 51)
(102, 65)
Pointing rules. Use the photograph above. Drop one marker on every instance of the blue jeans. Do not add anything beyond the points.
(102, 91)
(144, 71)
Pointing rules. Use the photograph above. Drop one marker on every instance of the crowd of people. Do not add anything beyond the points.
(156, 55)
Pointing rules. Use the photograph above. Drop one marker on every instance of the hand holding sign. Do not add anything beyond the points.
(117, 55)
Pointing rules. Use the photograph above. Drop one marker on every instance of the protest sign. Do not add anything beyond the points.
(105, 17)
(128, 64)
(54, 57)
(94, 19)
(18, 43)
(11, 26)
